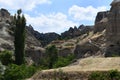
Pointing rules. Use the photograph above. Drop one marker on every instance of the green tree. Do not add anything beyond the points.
(52, 54)
(19, 42)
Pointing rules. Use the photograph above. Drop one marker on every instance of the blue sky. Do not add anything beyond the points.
(57, 15)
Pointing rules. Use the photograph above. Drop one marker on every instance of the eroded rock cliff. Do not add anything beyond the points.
(33, 46)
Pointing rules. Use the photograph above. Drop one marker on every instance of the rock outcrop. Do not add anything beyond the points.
(86, 50)
(101, 21)
(100, 16)
(45, 38)
(33, 46)
(113, 30)
(5, 16)
(72, 32)
(75, 32)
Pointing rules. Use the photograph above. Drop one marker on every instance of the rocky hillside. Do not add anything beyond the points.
(44, 38)
(47, 38)
(33, 46)
(88, 44)
(89, 49)
(84, 41)
(35, 40)
(75, 32)
(101, 21)
(102, 41)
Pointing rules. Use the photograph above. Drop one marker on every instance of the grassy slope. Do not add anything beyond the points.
(93, 64)
(83, 68)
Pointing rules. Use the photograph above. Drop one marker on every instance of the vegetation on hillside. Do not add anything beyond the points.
(6, 57)
(52, 55)
(11, 71)
(15, 72)
(64, 61)
(110, 75)
(53, 60)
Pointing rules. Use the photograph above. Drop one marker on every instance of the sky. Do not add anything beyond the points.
(57, 15)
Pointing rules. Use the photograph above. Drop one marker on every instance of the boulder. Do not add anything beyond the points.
(85, 50)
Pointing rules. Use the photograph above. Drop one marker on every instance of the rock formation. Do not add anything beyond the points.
(5, 16)
(113, 30)
(75, 32)
(85, 50)
(100, 16)
(45, 38)
(33, 46)
(101, 21)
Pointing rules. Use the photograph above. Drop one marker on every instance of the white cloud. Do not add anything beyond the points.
(85, 13)
(56, 22)
(24, 4)
(59, 22)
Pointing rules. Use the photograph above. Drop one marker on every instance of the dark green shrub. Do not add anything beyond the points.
(63, 61)
(15, 72)
(96, 76)
(6, 57)
(114, 75)
(110, 75)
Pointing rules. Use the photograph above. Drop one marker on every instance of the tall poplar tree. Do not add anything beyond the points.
(19, 42)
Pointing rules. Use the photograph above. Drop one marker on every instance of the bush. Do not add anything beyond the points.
(114, 75)
(15, 72)
(63, 61)
(97, 76)
(6, 57)
(110, 75)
